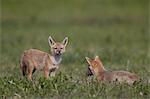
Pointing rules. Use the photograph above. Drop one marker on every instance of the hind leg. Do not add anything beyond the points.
(27, 70)
(30, 71)
(24, 69)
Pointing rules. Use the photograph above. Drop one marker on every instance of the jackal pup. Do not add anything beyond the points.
(97, 69)
(34, 59)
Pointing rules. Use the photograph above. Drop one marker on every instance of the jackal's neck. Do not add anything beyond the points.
(98, 71)
(100, 74)
(100, 66)
(101, 70)
(56, 59)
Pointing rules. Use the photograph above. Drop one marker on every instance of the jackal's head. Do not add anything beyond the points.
(57, 48)
(95, 66)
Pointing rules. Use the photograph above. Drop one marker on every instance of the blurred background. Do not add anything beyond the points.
(116, 30)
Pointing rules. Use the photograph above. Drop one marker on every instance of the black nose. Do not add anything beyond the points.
(89, 72)
(58, 52)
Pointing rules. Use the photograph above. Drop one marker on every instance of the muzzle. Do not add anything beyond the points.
(58, 53)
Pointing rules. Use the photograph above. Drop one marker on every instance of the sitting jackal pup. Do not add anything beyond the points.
(97, 69)
(34, 59)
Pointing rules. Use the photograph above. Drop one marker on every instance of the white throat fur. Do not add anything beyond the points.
(55, 61)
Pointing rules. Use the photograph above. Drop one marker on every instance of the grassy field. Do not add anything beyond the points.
(116, 30)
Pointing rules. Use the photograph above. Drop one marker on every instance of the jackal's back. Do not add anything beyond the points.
(120, 76)
(36, 58)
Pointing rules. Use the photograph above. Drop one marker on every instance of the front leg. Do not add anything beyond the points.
(46, 73)
(53, 71)
(52, 74)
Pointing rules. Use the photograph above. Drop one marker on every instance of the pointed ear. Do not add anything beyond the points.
(50, 41)
(97, 58)
(88, 60)
(65, 41)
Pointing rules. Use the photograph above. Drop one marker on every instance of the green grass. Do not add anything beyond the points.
(115, 30)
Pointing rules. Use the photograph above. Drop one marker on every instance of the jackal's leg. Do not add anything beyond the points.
(53, 71)
(30, 71)
(52, 74)
(46, 73)
(23, 69)
(23, 66)
(30, 75)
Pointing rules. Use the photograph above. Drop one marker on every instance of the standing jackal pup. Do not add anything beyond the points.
(97, 69)
(34, 59)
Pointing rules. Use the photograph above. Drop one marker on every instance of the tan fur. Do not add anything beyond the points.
(102, 74)
(34, 59)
